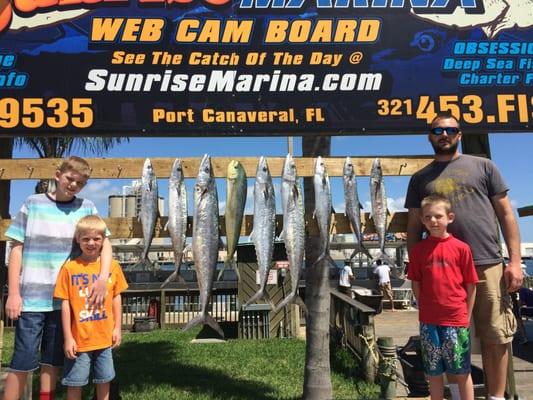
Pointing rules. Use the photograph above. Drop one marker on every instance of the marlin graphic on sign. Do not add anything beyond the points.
(499, 15)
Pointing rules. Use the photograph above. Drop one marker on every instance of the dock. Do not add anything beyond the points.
(402, 324)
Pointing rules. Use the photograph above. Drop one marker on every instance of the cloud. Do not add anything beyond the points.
(98, 192)
(393, 205)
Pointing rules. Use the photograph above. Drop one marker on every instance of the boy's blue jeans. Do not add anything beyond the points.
(77, 371)
(36, 329)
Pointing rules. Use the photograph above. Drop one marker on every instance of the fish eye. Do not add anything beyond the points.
(206, 169)
(264, 169)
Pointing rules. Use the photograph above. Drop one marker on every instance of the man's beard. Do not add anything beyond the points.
(447, 151)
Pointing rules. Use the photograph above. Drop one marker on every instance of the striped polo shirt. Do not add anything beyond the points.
(46, 229)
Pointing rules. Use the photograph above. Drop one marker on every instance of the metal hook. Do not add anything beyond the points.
(2, 170)
(119, 170)
(30, 169)
(402, 166)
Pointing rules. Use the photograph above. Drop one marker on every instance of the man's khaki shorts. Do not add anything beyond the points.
(386, 290)
(493, 312)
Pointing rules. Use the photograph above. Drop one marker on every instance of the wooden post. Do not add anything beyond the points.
(162, 308)
(317, 376)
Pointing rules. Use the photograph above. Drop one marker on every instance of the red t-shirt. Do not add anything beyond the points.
(443, 267)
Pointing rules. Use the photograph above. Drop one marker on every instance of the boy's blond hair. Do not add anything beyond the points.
(90, 223)
(433, 199)
(76, 164)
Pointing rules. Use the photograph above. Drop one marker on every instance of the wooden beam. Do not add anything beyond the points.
(131, 228)
(525, 211)
(131, 168)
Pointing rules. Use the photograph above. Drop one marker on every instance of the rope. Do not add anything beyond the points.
(370, 344)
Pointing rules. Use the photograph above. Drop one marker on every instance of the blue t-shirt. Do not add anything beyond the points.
(46, 229)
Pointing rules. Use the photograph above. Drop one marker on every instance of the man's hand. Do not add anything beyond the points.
(13, 306)
(70, 348)
(513, 276)
(97, 294)
(117, 337)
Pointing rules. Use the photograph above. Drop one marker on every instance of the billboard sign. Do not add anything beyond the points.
(263, 67)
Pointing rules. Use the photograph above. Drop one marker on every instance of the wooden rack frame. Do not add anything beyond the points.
(131, 168)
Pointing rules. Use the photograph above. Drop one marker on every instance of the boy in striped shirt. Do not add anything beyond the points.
(42, 235)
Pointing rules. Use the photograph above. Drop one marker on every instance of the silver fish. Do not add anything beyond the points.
(205, 241)
(323, 207)
(149, 207)
(177, 217)
(353, 205)
(293, 229)
(378, 201)
(236, 188)
(264, 231)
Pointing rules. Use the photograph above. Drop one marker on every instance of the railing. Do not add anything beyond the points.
(353, 323)
(176, 306)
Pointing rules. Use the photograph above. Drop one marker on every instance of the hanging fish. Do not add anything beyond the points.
(149, 208)
(378, 201)
(264, 230)
(205, 241)
(236, 190)
(353, 206)
(177, 217)
(293, 229)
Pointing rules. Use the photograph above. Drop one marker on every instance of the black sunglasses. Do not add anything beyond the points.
(450, 130)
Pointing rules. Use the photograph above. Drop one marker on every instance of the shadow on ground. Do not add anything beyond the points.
(164, 368)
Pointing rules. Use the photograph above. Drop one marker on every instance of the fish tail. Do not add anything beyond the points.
(324, 257)
(204, 319)
(175, 276)
(291, 298)
(229, 264)
(259, 294)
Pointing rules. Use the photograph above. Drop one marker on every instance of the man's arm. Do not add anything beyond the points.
(414, 228)
(98, 289)
(117, 316)
(470, 298)
(70, 347)
(14, 301)
(513, 274)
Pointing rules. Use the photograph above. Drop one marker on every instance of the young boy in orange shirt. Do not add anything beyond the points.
(89, 334)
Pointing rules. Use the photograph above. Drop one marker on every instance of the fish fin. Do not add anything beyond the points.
(204, 319)
(332, 210)
(265, 194)
(284, 302)
(175, 276)
(256, 296)
(221, 272)
(314, 214)
(360, 206)
(281, 235)
(209, 320)
(251, 236)
(298, 301)
(166, 227)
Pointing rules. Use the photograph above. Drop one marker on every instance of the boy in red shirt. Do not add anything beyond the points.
(444, 280)
(89, 333)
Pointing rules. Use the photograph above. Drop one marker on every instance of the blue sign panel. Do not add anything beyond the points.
(263, 67)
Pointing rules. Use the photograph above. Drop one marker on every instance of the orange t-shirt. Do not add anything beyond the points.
(92, 330)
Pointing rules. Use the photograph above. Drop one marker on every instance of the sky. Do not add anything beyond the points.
(512, 153)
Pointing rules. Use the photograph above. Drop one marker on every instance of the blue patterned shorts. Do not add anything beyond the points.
(445, 349)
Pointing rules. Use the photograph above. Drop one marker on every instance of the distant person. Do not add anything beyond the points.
(345, 277)
(89, 334)
(479, 197)
(382, 271)
(41, 237)
(444, 280)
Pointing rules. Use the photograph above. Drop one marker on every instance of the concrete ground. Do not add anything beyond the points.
(402, 324)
